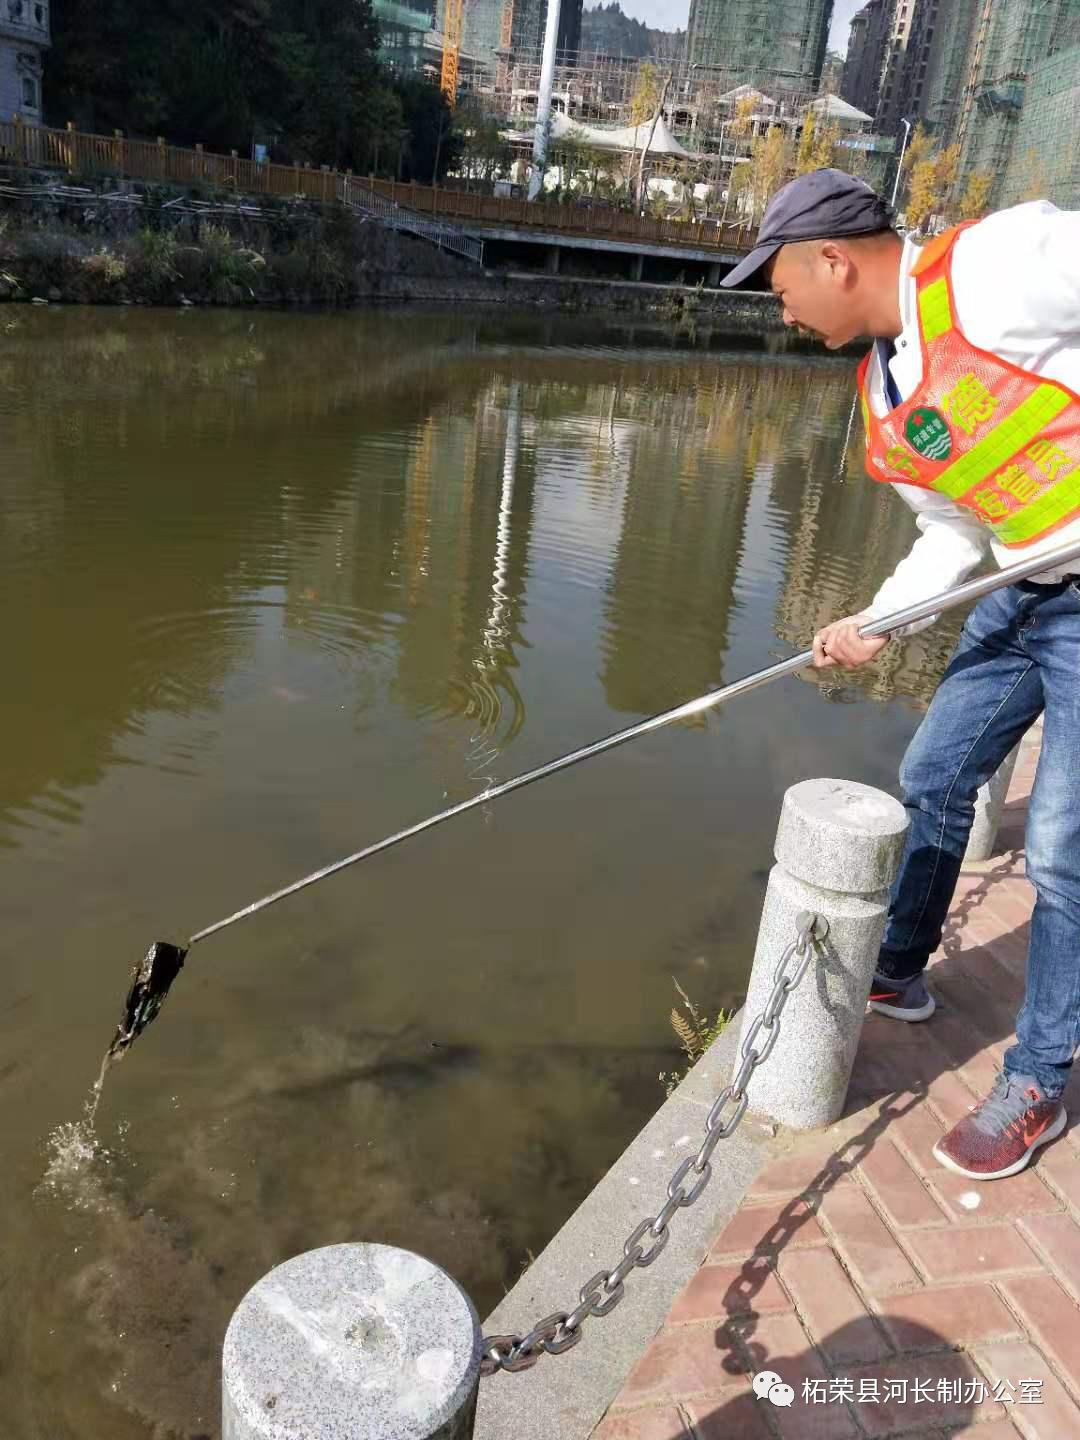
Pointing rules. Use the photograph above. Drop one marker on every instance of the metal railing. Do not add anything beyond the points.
(360, 196)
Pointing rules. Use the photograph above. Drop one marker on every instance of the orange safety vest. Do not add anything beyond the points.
(990, 436)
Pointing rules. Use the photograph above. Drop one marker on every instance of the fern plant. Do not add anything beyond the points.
(695, 1034)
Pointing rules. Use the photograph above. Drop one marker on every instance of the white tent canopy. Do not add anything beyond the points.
(834, 108)
(626, 138)
(744, 92)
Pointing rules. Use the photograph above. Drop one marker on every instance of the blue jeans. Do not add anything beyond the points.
(1019, 655)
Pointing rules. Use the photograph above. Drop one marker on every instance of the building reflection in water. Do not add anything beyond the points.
(389, 510)
(846, 534)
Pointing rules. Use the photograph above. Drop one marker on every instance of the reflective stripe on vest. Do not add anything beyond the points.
(990, 436)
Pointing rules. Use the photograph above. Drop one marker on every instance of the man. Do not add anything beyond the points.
(970, 404)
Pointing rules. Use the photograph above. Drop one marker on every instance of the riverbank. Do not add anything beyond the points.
(108, 252)
(113, 251)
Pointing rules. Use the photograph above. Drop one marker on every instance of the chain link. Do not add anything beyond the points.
(600, 1295)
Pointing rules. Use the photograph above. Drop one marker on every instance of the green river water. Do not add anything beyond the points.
(274, 586)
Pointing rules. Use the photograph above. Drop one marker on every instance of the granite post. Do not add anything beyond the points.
(352, 1342)
(838, 848)
(989, 803)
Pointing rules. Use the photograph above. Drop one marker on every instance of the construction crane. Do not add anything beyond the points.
(453, 19)
(504, 54)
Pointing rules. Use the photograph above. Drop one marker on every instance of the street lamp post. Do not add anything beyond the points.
(900, 163)
(543, 100)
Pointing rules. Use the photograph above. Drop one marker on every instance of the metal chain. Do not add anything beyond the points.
(598, 1297)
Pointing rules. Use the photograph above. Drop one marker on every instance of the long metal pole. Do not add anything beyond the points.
(948, 600)
(900, 163)
(543, 100)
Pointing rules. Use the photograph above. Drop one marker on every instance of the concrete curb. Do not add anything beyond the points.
(564, 1396)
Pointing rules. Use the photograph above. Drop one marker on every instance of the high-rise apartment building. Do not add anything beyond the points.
(913, 78)
(756, 40)
(865, 55)
(893, 84)
(908, 59)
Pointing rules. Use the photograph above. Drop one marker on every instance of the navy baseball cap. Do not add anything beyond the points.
(823, 205)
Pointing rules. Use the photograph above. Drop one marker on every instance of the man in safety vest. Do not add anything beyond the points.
(971, 411)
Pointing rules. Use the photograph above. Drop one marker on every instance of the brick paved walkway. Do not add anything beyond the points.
(857, 1262)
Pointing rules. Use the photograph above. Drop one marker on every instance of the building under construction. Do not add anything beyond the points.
(1046, 149)
(783, 37)
(611, 89)
(1010, 40)
(409, 41)
(494, 30)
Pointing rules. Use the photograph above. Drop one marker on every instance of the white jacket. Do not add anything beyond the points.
(1016, 288)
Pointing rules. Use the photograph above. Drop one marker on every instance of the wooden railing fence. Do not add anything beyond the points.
(79, 153)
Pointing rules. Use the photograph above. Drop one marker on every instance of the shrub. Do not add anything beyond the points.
(155, 263)
(105, 267)
(230, 268)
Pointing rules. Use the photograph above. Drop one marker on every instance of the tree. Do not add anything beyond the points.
(383, 121)
(487, 152)
(325, 54)
(645, 99)
(657, 204)
(575, 157)
(804, 160)
(770, 162)
(919, 147)
(739, 183)
(744, 116)
(179, 66)
(435, 147)
(825, 145)
(661, 97)
(922, 193)
(947, 166)
(816, 144)
(932, 178)
(687, 176)
(296, 73)
(976, 196)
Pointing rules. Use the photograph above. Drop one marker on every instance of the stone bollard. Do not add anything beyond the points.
(838, 848)
(352, 1342)
(989, 803)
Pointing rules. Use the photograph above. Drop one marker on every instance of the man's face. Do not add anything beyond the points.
(815, 284)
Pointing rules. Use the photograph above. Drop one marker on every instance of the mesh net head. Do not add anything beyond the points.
(150, 982)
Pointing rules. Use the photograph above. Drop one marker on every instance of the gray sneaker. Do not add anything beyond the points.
(901, 999)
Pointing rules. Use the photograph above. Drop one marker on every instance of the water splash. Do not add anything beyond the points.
(77, 1159)
(73, 1174)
